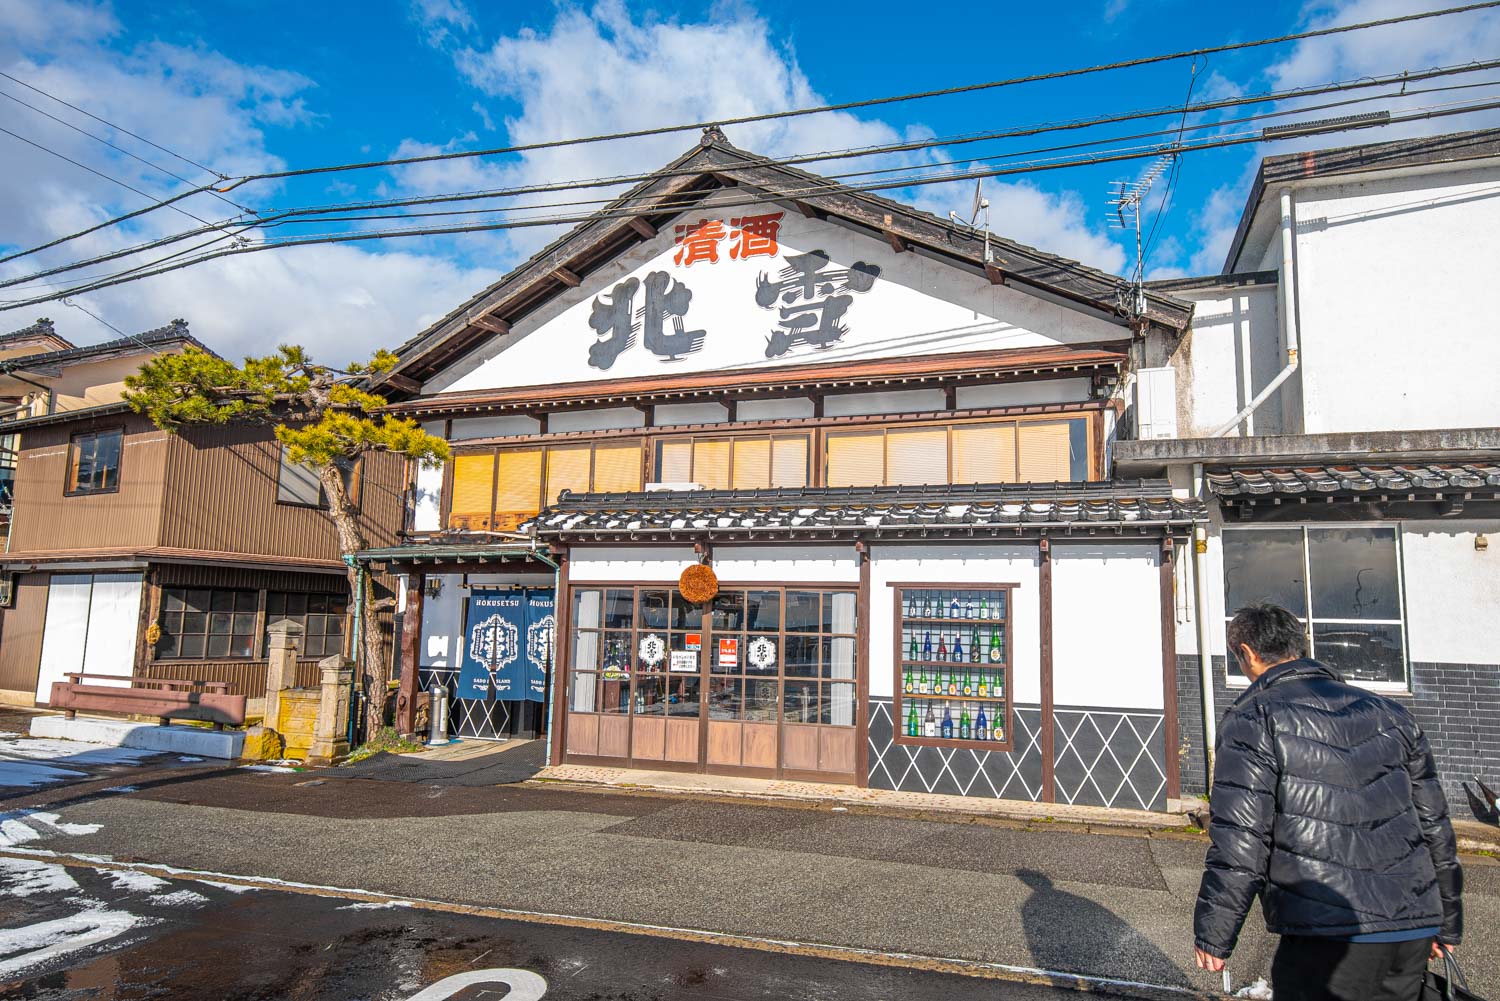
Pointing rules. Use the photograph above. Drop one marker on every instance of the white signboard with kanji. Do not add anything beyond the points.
(739, 288)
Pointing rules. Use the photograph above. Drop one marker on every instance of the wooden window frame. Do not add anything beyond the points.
(654, 442)
(354, 487)
(706, 672)
(341, 617)
(1091, 419)
(898, 619)
(545, 447)
(257, 624)
(70, 485)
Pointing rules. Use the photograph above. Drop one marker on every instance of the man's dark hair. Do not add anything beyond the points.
(1273, 633)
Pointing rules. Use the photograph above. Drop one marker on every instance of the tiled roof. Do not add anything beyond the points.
(850, 512)
(41, 328)
(1355, 480)
(173, 333)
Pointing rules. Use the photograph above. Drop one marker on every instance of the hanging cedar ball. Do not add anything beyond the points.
(698, 583)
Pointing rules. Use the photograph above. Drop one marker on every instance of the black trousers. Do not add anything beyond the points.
(1308, 968)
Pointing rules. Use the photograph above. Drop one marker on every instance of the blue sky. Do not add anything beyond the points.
(246, 86)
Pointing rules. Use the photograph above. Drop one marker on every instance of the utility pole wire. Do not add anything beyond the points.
(792, 113)
(272, 218)
(812, 192)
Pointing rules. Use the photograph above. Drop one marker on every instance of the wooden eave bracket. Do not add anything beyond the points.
(994, 273)
(812, 212)
(642, 227)
(404, 383)
(568, 277)
(897, 242)
(493, 324)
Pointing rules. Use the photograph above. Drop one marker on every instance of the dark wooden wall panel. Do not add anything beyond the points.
(245, 677)
(46, 520)
(221, 497)
(21, 633)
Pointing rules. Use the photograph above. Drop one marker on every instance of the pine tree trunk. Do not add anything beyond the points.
(374, 679)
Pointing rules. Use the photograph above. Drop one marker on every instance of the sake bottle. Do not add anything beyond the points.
(924, 686)
(942, 651)
(913, 723)
(952, 683)
(965, 727)
(984, 608)
(947, 728)
(982, 688)
(968, 682)
(976, 654)
(997, 653)
(929, 724)
(958, 648)
(908, 685)
(927, 645)
(982, 726)
(913, 651)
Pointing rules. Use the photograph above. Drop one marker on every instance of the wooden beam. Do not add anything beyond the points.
(1048, 735)
(410, 654)
(493, 324)
(642, 227)
(994, 274)
(405, 384)
(809, 211)
(1172, 764)
(568, 278)
(899, 245)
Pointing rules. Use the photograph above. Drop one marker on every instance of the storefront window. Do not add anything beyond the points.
(1038, 451)
(954, 660)
(499, 489)
(1343, 582)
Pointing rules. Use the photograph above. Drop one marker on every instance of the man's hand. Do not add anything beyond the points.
(1213, 963)
(1438, 949)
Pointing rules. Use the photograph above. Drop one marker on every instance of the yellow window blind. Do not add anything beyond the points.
(752, 463)
(473, 491)
(1044, 452)
(674, 462)
(984, 453)
(856, 459)
(519, 492)
(617, 467)
(567, 469)
(711, 464)
(916, 456)
(789, 461)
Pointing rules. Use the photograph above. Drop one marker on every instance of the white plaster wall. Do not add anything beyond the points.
(958, 564)
(628, 563)
(427, 513)
(1106, 625)
(899, 402)
(774, 410)
(691, 413)
(1394, 278)
(917, 306)
(1022, 394)
(786, 564)
(606, 419)
(1452, 591)
(493, 427)
(443, 615)
(1232, 329)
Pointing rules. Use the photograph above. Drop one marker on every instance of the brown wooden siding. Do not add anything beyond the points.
(21, 633)
(245, 677)
(214, 575)
(221, 496)
(46, 520)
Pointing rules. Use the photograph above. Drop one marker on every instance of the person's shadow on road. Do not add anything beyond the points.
(1072, 934)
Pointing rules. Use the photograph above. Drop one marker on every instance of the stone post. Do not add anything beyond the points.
(281, 673)
(331, 734)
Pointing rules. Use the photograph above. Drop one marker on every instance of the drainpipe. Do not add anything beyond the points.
(1288, 319)
(551, 696)
(1205, 654)
(359, 647)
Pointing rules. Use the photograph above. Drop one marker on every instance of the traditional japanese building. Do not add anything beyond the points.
(820, 485)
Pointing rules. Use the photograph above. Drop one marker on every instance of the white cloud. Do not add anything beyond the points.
(340, 301)
(442, 21)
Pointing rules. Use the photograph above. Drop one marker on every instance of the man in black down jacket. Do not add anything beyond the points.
(1326, 805)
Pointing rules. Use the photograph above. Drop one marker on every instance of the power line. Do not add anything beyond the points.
(1110, 156)
(120, 149)
(796, 112)
(117, 128)
(271, 218)
(111, 326)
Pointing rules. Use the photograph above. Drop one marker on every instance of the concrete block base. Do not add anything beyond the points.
(190, 740)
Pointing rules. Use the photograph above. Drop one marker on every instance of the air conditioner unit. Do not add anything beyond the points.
(1155, 403)
(652, 488)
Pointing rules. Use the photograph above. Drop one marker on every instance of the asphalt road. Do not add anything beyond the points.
(70, 933)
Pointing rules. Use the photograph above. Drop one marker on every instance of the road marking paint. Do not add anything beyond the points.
(843, 953)
(524, 985)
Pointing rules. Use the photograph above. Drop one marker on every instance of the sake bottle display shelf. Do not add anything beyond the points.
(913, 619)
(919, 697)
(973, 667)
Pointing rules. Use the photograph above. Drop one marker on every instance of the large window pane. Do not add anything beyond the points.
(761, 701)
(568, 469)
(802, 612)
(587, 607)
(984, 453)
(619, 609)
(674, 462)
(802, 656)
(518, 490)
(583, 693)
(801, 704)
(1368, 652)
(725, 697)
(297, 483)
(752, 463)
(1045, 452)
(617, 467)
(916, 457)
(1264, 565)
(763, 611)
(729, 611)
(711, 464)
(856, 459)
(789, 461)
(473, 491)
(683, 694)
(1353, 573)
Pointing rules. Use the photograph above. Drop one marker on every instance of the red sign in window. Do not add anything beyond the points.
(729, 652)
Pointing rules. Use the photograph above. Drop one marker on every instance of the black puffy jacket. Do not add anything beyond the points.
(1326, 805)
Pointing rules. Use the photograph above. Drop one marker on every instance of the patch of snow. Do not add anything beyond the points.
(32, 946)
(75, 751)
(135, 882)
(26, 774)
(13, 832)
(188, 758)
(28, 878)
(371, 905)
(122, 789)
(268, 768)
(957, 510)
(52, 820)
(231, 887)
(181, 898)
(20, 826)
(1258, 991)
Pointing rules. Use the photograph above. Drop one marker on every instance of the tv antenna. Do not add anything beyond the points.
(981, 204)
(1126, 200)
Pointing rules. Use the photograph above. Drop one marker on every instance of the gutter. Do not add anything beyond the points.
(1289, 332)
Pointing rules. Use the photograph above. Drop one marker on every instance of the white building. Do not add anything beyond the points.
(1334, 404)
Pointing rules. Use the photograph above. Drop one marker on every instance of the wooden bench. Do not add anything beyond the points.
(207, 701)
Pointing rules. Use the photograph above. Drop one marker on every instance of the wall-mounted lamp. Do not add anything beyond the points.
(433, 586)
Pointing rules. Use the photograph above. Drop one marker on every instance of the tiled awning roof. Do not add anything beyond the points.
(1352, 481)
(855, 512)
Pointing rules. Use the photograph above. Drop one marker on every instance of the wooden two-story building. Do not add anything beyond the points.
(138, 552)
(886, 435)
